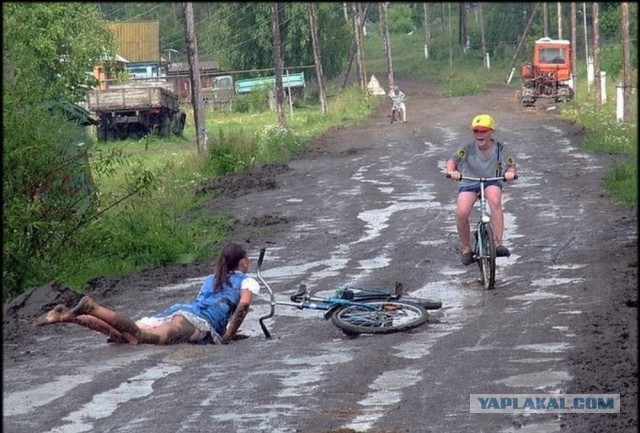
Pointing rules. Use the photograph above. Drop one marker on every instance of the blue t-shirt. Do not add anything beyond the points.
(214, 307)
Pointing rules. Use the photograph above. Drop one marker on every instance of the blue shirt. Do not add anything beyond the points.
(214, 307)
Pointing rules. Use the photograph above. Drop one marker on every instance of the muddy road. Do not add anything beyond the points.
(369, 206)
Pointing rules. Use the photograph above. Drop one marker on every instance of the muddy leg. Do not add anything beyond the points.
(120, 323)
(61, 314)
(56, 315)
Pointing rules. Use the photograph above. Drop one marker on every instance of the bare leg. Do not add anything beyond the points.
(178, 330)
(60, 314)
(463, 211)
(494, 197)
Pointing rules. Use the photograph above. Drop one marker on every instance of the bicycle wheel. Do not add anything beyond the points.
(487, 256)
(384, 318)
(393, 115)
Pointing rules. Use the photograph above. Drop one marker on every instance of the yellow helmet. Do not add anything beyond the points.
(483, 122)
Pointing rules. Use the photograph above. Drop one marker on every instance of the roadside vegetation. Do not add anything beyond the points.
(147, 211)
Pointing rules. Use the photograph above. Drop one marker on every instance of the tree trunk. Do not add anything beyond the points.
(194, 73)
(313, 26)
(545, 20)
(596, 53)
(462, 26)
(626, 62)
(574, 45)
(426, 23)
(482, 39)
(386, 44)
(277, 60)
(559, 20)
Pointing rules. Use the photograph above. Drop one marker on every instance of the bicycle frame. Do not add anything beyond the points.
(484, 248)
(362, 311)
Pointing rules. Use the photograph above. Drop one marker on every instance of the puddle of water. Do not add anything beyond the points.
(563, 267)
(540, 380)
(105, 404)
(386, 391)
(555, 281)
(545, 426)
(535, 361)
(28, 400)
(537, 296)
(545, 347)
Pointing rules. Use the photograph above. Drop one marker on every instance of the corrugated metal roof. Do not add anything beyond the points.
(138, 41)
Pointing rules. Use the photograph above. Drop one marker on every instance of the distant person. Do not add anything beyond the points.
(213, 317)
(397, 96)
(482, 157)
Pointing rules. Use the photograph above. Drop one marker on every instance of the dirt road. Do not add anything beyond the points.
(369, 207)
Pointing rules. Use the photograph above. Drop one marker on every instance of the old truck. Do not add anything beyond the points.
(135, 110)
(224, 90)
(548, 75)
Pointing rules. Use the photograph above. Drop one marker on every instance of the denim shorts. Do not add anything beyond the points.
(475, 187)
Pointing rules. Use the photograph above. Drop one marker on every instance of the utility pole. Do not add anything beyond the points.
(559, 20)
(596, 54)
(194, 73)
(626, 62)
(485, 57)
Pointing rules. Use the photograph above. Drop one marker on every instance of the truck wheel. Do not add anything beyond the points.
(165, 124)
(179, 120)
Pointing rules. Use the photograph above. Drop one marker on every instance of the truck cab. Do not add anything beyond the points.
(553, 55)
(221, 92)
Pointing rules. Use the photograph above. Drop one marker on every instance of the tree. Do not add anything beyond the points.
(386, 44)
(596, 53)
(277, 60)
(194, 74)
(242, 37)
(313, 27)
(48, 51)
(358, 45)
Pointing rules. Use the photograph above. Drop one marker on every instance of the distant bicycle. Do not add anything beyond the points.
(355, 310)
(484, 250)
(396, 111)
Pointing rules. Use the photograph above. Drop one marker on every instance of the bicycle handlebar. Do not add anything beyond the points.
(481, 179)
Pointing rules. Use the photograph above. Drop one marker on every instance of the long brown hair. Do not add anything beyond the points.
(227, 262)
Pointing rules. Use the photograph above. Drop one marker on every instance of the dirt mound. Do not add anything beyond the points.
(19, 314)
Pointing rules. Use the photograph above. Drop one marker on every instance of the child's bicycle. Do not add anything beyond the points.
(484, 250)
(357, 311)
(396, 111)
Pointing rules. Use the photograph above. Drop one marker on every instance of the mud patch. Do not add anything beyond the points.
(258, 178)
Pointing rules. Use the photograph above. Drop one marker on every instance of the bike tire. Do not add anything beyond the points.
(369, 294)
(393, 115)
(487, 259)
(389, 316)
